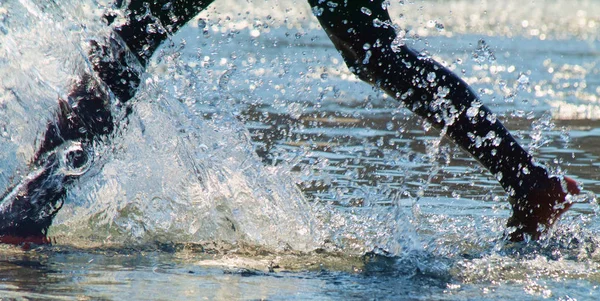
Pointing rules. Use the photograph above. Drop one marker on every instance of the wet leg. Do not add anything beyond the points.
(362, 32)
(86, 116)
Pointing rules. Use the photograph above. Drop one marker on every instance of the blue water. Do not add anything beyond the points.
(256, 166)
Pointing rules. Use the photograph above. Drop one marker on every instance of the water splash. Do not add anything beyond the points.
(184, 168)
(184, 179)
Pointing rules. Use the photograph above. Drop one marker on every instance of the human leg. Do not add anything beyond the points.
(362, 32)
(86, 116)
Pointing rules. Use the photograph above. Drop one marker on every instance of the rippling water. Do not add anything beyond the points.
(256, 166)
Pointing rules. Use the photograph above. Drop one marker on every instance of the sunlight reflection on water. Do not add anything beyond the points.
(379, 179)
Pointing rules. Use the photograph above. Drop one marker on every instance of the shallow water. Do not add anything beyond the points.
(256, 166)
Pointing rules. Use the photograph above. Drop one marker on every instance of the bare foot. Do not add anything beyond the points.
(534, 213)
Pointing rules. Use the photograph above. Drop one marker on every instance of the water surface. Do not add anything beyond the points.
(256, 166)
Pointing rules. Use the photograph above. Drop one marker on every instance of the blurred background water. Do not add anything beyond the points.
(256, 166)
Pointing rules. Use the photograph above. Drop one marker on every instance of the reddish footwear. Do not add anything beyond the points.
(535, 213)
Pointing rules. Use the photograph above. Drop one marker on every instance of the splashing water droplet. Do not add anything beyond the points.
(317, 11)
(442, 92)
(472, 111)
(151, 28)
(378, 23)
(398, 41)
(389, 126)
(439, 26)
(431, 77)
(483, 53)
(385, 4)
(523, 82)
(366, 11)
(367, 57)
(255, 33)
